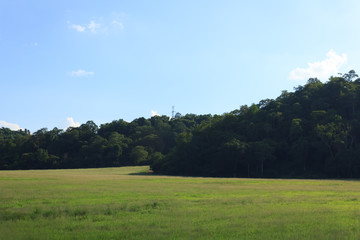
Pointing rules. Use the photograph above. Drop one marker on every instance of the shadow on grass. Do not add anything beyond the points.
(149, 172)
(152, 173)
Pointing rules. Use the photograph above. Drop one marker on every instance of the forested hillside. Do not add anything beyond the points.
(311, 132)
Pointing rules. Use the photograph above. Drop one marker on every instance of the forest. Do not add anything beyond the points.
(312, 132)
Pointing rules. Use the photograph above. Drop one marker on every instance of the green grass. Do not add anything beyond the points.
(114, 203)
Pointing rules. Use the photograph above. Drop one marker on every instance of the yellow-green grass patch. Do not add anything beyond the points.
(122, 203)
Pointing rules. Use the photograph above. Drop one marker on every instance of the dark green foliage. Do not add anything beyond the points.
(119, 143)
(311, 132)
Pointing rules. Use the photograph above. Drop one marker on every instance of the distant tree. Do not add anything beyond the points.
(349, 76)
(139, 155)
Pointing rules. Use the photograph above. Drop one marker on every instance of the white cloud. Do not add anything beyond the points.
(154, 113)
(117, 20)
(12, 126)
(81, 73)
(118, 24)
(322, 69)
(78, 28)
(69, 122)
(99, 25)
(93, 27)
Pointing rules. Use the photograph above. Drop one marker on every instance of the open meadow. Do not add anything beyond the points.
(122, 203)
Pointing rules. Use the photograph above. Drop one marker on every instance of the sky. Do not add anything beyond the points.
(63, 63)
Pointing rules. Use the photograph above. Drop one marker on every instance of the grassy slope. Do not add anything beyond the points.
(111, 204)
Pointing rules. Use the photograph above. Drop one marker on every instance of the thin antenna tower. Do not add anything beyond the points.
(173, 112)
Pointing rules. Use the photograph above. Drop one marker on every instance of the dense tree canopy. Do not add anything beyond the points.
(311, 132)
(118, 143)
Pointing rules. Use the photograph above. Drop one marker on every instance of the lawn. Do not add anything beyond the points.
(122, 203)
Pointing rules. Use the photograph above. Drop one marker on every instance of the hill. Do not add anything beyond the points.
(311, 132)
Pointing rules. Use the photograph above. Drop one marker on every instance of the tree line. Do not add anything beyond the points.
(118, 143)
(312, 132)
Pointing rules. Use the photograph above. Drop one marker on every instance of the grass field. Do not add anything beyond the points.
(117, 203)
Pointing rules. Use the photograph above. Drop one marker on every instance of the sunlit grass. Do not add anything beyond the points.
(115, 203)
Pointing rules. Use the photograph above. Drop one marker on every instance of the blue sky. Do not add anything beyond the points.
(63, 63)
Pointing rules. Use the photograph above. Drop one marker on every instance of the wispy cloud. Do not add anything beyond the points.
(81, 73)
(92, 27)
(69, 122)
(154, 113)
(322, 69)
(78, 28)
(12, 126)
(118, 24)
(117, 20)
(100, 25)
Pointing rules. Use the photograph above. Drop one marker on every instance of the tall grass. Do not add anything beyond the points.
(115, 203)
